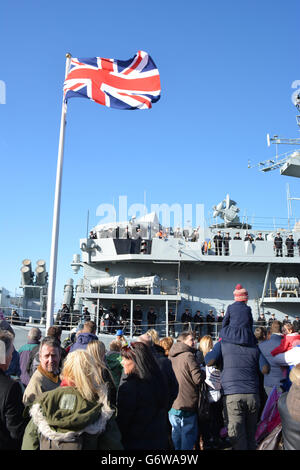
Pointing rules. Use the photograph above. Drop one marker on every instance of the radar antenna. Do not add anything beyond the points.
(288, 162)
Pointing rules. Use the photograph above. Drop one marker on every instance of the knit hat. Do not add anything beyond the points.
(240, 294)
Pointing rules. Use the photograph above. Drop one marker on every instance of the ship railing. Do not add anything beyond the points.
(282, 293)
(214, 252)
(171, 328)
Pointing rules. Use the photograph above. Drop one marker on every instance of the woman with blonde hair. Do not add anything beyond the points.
(76, 415)
(206, 344)
(154, 335)
(97, 350)
(166, 344)
(211, 429)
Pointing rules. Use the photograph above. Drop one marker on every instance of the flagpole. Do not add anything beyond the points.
(56, 210)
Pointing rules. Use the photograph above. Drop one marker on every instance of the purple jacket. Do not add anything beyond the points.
(24, 353)
(83, 339)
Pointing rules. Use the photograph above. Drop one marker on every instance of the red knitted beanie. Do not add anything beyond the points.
(240, 294)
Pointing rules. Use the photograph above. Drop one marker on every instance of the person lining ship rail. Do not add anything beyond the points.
(259, 237)
(278, 244)
(290, 245)
(226, 241)
(218, 240)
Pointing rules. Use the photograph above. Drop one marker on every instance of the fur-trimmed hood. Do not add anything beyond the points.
(63, 414)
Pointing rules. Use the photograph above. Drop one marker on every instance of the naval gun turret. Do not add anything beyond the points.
(68, 293)
(41, 274)
(26, 273)
(35, 287)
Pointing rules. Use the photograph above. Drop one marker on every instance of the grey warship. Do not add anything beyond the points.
(141, 262)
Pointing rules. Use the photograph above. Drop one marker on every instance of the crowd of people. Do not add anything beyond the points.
(153, 393)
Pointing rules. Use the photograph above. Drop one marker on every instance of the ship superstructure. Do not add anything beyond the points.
(141, 262)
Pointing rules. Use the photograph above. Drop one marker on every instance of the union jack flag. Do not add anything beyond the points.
(130, 84)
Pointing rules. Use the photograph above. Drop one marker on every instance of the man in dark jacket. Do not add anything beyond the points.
(278, 244)
(270, 321)
(138, 318)
(296, 324)
(86, 335)
(210, 320)
(151, 318)
(86, 314)
(259, 238)
(183, 414)
(12, 423)
(290, 245)
(240, 382)
(220, 319)
(171, 320)
(186, 319)
(218, 240)
(198, 322)
(226, 241)
(261, 321)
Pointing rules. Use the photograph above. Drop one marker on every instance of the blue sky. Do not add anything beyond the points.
(227, 70)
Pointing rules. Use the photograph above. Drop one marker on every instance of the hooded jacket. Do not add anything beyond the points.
(113, 360)
(63, 415)
(83, 339)
(188, 375)
(24, 353)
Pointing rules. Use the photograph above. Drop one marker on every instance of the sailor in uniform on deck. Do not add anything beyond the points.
(278, 244)
(151, 318)
(218, 239)
(138, 318)
(186, 319)
(210, 319)
(260, 237)
(290, 245)
(237, 236)
(248, 238)
(171, 321)
(271, 319)
(198, 322)
(226, 241)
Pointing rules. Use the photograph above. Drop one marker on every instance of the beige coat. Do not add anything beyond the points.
(38, 384)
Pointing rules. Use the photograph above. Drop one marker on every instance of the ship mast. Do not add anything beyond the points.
(288, 162)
